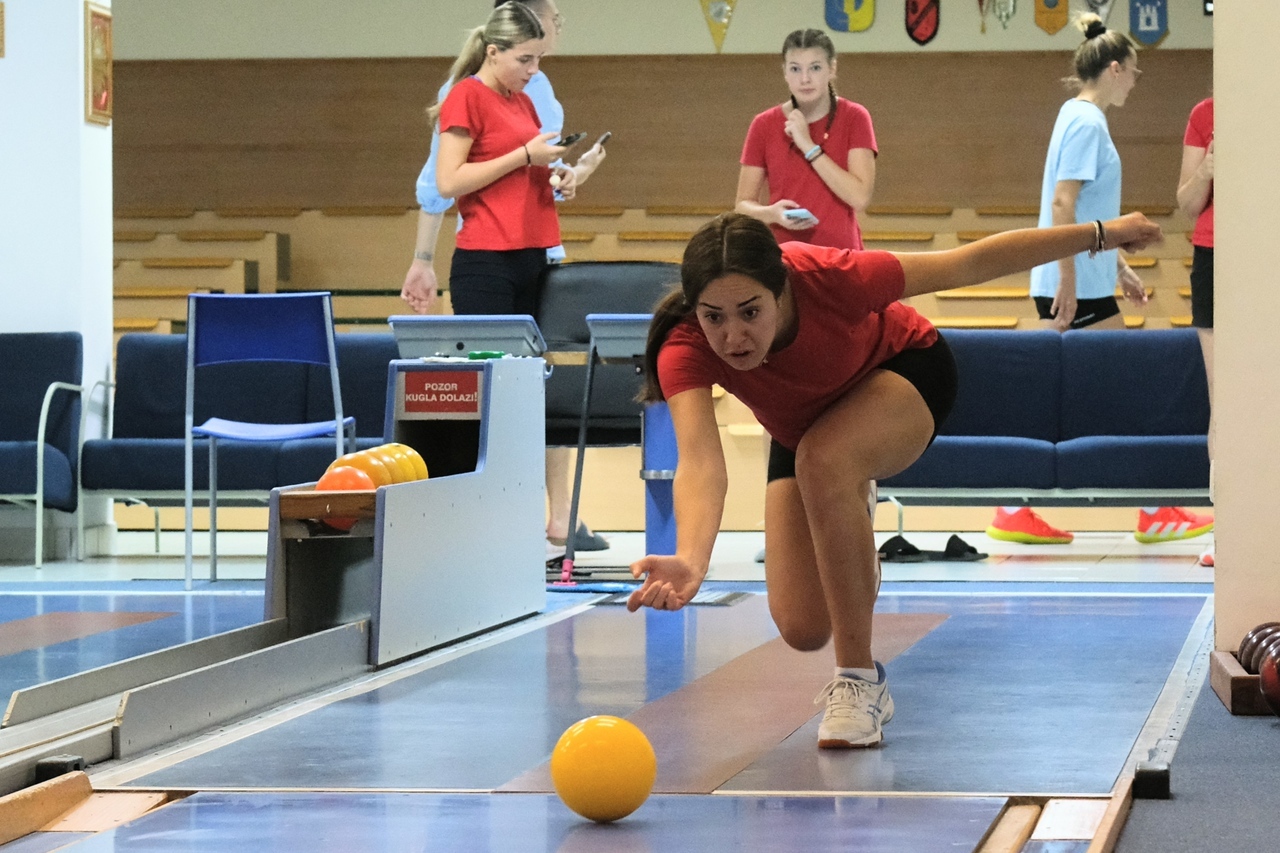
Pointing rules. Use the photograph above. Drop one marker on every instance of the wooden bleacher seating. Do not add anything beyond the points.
(910, 210)
(1008, 210)
(975, 322)
(985, 291)
(897, 236)
(1180, 322)
(269, 250)
(1134, 321)
(684, 210)
(1141, 263)
(654, 236)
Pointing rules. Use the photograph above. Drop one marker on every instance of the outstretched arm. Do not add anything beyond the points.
(700, 486)
(1015, 251)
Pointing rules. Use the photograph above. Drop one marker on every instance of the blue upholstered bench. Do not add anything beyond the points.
(1085, 418)
(143, 457)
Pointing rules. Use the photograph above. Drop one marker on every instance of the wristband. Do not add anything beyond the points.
(423, 256)
(813, 154)
(528, 161)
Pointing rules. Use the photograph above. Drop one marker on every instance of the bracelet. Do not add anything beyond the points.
(423, 256)
(1099, 238)
(528, 161)
(813, 154)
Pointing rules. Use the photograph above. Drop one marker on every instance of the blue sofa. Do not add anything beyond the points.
(1088, 417)
(143, 457)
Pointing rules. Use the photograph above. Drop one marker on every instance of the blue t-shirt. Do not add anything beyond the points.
(550, 113)
(1081, 150)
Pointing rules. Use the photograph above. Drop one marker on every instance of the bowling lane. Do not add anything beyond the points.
(512, 823)
(1005, 694)
(475, 722)
(1028, 694)
(64, 630)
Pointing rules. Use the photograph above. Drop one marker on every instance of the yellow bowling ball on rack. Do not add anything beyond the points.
(377, 470)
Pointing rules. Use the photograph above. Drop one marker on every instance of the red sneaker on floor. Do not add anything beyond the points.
(1169, 523)
(1026, 527)
(1206, 559)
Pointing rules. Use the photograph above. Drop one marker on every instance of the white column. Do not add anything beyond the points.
(55, 206)
(1247, 321)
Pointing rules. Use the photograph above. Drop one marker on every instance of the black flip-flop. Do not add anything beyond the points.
(897, 549)
(961, 551)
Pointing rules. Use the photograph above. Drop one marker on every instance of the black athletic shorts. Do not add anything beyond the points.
(931, 369)
(1202, 287)
(491, 282)
(1088, 311)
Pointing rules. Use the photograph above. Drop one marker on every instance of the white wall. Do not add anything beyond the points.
(55, 191)
(236, 29)
(1247, 303)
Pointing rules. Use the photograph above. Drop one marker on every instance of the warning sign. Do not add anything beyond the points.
(428, 394)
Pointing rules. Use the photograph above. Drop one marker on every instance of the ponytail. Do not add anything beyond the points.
(509, 24)
(467, 63)
(666, 316)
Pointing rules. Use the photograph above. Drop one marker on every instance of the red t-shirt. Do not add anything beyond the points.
(517, 211)
(1199, 135)
(790, 176)
(850, 322)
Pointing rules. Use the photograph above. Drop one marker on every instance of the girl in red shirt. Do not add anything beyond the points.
(496, 162)
(851, 384)
(815, 152)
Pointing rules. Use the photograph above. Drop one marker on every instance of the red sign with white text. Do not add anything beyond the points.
(430, 393)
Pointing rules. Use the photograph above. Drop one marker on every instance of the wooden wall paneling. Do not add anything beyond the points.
(960, 129)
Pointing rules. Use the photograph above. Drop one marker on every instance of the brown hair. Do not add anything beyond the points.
(1100, 48)
(509, 25)
(730, 243)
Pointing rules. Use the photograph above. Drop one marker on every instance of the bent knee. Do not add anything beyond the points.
(804, 638)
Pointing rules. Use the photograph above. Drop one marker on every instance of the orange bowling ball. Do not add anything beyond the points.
(603, 768)
(343, 478)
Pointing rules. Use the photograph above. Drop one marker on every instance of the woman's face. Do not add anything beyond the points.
(808, 72)
(1127, 76)
(552, 24)
(514, 66)
(740, 317)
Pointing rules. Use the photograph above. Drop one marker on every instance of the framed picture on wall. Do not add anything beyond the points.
(99, 87)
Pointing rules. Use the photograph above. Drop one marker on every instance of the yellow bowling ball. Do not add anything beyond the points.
(399, 464)
(603, 768)
(419, 464)
(371, 465)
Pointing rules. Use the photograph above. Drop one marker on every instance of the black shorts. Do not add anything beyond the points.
(931, 370)
(1088, 311)
(484, 282)
(1202, 287)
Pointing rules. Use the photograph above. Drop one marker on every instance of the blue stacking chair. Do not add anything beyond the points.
(40, 423)
(222, 329)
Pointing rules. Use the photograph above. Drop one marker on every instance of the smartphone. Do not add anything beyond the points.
(799, 213)
(604, 137)
(571, 139)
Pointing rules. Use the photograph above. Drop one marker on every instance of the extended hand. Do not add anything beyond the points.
(1132, 232)
(669, 583)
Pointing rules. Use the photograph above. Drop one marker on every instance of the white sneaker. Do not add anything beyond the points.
(856, 709)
